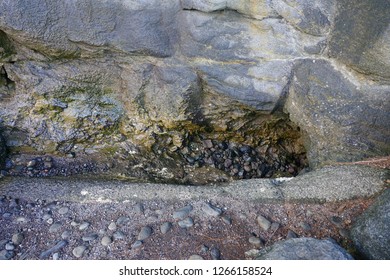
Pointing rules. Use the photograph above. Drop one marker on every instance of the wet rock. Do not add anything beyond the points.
(291, 234)
(6, 255)
(89, 237)
(215, 254)
(118, 235)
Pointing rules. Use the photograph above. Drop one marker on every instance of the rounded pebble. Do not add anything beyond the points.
(211, 210)
(17, 238)
(9, 246)
(144, 233)
(112, 226)
(84, 226)
(196, 257)
(118, 235)
(186, 223)
(263, 222)
(65, 234)
(182, 212)
(55, 227)
(79, 251)
(56, 256)
(165, 227)
(122, 220)
(90, 237)
(215, 254)
(256, 241)
(63, 210)
(106, 240)
(6, 255)
(137, 244)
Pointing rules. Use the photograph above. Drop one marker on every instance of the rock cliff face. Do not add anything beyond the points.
(130, 79)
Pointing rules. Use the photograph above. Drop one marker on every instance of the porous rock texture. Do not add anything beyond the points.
(304, 249)
(117, 79)
(370, 232)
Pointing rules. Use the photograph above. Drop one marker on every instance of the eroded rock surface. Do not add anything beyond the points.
(138, 82)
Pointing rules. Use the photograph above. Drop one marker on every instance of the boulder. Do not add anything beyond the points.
(304, 249)
(361, 37)
(343, 118)
(370, 233)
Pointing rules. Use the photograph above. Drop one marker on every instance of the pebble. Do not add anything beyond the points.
(56, 256)
(63, 210)
(211, 210)
(227, 220)
(204, 249)
(337, 221)
(139, 208)
(182, 213)
(6, 255)
(2, 243)
(137, 244)
(9, 246)
(84, 226)
(55, 227)
(7, 215)
(50, 221)
(66, 234)
(46, 216)
(264, 223)
(122, 220)
(106, 240)
(186, 223)
(275, 226)
(60, 244)
(165, 227)
(291, 234)
(112, 226)
(305, 226)
(118, 235)
(21, 220)
(144, 233)
(90, 237)
(256, 241)
(196, 257)
(32, 163)
(79, 251)
(215, 254)
(253, 253)
(17, 238)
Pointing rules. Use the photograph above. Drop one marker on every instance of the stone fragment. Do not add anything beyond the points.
(182, 212)
(186, 223)
(263, 222)
(211, 210)
(144, 233)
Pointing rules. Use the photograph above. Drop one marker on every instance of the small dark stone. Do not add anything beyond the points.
(215, 254)
(291, 234)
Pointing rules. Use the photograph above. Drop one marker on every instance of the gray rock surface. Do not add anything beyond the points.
(110, 78)
(329, 184)
(304, 249)
(344, 119)
(370, 233)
